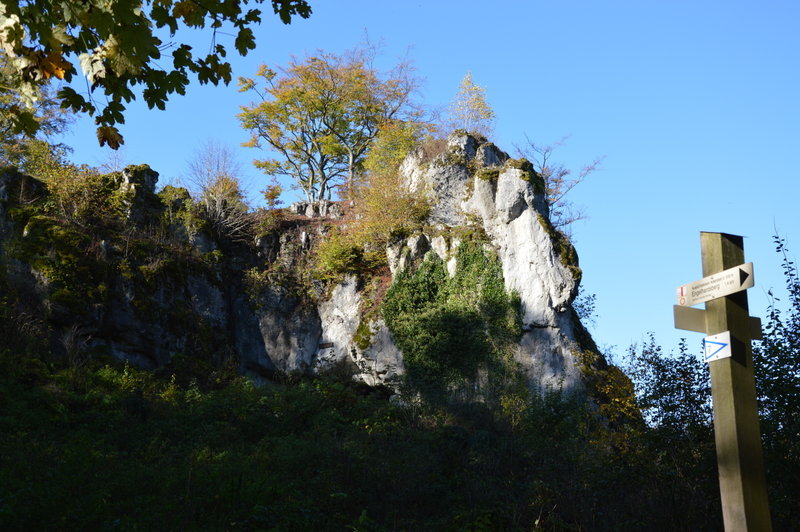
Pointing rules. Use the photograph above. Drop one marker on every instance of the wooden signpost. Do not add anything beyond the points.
(730, 329)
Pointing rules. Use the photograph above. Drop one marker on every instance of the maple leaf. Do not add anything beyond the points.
(113, 45)
(54, 64)
(111, 136)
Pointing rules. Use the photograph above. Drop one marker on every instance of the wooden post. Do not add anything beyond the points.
(742, 481)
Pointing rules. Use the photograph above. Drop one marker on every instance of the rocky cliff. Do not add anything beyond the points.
(151, 283)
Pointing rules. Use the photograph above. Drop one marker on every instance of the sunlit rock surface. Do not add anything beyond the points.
(160, 308)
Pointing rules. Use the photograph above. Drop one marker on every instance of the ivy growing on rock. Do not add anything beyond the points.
(455, 331)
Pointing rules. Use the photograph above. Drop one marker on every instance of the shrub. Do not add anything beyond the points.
(341, 253)
(181, 211)
(79, 195)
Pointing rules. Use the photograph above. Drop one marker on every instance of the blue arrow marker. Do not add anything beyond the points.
(722, 345)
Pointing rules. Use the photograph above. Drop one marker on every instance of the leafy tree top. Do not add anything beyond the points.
(320, 116)
(470, 110)
(15, 117)
(115, 44)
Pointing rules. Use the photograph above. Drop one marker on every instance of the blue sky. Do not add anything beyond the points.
(694, 105)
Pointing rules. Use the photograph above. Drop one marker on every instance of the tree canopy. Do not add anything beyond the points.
(470, 110)
(321, 115)
(45, 116)
(116, 46)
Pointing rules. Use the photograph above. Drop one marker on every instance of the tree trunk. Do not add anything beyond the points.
(350, 159)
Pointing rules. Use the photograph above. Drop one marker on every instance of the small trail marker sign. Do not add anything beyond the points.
(718, 346)
(715, 286)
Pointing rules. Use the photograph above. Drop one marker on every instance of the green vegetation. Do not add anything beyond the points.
(564, 248)
(181, 212)
(470, 111)
(673, 393)
(488, 174)
(102, 250)
(341, 254)
(77, 194)
(777, 368)
(17, 120)
(103, 445)
(214, 174)
(135, 452)
(43, 41)
(59, 254)
(89, 442)
(449, 329)
(321, 116)
(108, 446)
(386, 210)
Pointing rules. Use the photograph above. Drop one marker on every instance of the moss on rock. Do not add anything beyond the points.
(529, 174)
(564, 248)
(363, 336)
(488, 174)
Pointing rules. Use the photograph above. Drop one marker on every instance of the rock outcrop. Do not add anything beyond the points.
(478, 182)
(203, 295)
(472, 183)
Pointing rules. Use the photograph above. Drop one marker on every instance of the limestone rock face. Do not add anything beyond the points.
(379, 362)
(220, 299)
(445, 178)
(290, 331)
(535, 258)
(321, 208)
(515, 221)
(140, 184)
(339, 316)
(470, 183)
(488, 155)
(402, 254)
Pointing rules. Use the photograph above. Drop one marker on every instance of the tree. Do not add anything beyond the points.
(674, 395)
(673, 391)
(385, 206)
(778, 354)
(16, 119)
(78, 195)
(210, 162)
(558, 180)
(116, 46)
(470, 111)
(320, 116)
(776, 362)
(214, 174)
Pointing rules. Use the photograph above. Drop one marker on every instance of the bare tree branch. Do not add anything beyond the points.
(559, 181)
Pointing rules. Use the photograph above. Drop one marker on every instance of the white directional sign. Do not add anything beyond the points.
(717, 346)
(720, 284)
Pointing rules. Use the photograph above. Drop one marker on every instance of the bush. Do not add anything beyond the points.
(776, 362)
(79, 195)
(386, 208)
(341, 254)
